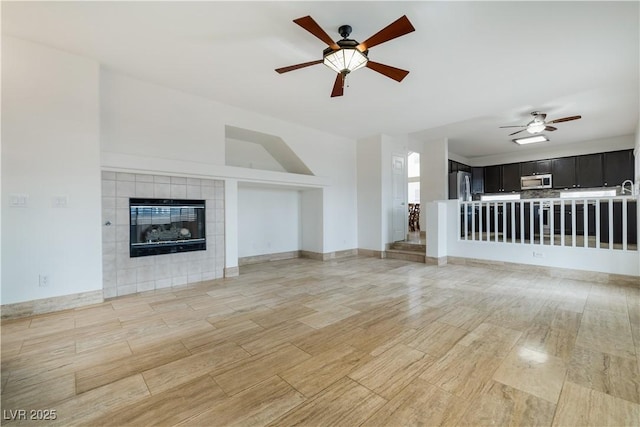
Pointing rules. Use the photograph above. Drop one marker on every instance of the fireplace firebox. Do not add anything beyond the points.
(163, 226)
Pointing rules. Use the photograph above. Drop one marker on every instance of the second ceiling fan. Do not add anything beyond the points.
(347, 55)
(538, 124)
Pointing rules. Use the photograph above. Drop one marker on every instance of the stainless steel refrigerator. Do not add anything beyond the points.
(460, 186)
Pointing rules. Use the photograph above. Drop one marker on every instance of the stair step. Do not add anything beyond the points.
(412, 247)
(405, 255)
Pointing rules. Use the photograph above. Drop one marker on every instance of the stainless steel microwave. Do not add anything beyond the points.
(535, 181)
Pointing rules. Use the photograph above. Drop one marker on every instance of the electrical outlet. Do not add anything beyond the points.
(538, 254)
(44, 281)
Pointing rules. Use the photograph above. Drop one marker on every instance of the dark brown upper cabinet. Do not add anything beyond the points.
(511, 177)
(493, 179)
(618, 167)
(589, 171)
(564, 172)
(502, 178)
(535, 167)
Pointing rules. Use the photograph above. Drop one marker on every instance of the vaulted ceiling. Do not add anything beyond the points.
(474, 66)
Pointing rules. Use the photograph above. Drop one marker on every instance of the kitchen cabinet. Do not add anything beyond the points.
(536, 167)
(564, 172)
(492, 179)
(618, 167)
(511, 177)
(501, 178)
(477, 180)
(589, 171)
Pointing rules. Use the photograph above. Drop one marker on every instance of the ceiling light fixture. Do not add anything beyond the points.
(530, 139)
(536, 126)
(348, 58)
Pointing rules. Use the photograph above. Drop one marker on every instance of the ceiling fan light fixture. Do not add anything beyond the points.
(346, 59)
(536, 127)
(531, 139)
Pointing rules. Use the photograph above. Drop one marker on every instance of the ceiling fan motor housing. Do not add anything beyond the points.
(344, 31)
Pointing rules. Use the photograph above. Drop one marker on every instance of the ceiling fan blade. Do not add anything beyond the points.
(511, 134)
(312, 26)
(519, 126)
(297, 66)
(398, 28)
(338, 86)
(565, 119)
(550, 128)
(394, 73)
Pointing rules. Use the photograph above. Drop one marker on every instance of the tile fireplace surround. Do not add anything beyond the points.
(123, 275)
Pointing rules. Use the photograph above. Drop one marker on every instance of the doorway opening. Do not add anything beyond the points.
(413, 196)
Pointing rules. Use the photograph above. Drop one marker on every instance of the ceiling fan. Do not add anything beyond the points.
(347, 55)
(538, 124)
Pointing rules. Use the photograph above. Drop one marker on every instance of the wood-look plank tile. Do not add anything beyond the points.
(259, 405)
(580, 406)
(437, 338)
(403, 337)
(224, 320)
(633, 308)
(391, 371)
(328, 316)
(96, 376)
(92, 404)
(178, 372)
(167, 408)
(502, 405)
(95, 314)
(142, 341)
(320, 371)
(492, 339)
(235, 332)
(194, 336)
(255, 369)
(269, 338)
(344, 403)
(321, 340)
(119, 332)
(463, 371)
(420, 404)
(533, 372)
(606, 331)
(41, 395)
(277, 315)
(614, 375)
(56, 367)
(463, 317)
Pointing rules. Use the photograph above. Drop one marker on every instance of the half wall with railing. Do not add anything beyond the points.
(599, 223)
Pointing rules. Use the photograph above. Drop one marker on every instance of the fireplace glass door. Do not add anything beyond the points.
(162, 226)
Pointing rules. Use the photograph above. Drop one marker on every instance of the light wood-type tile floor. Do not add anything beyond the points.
(358, 341)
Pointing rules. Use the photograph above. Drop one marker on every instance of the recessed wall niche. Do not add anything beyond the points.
(123, 274)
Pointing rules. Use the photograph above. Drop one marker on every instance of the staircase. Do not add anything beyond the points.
(407, 251)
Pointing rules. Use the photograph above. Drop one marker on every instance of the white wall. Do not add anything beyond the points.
(50, 136)
(434, 177)
(312, 224)
(268, 221)
(370, 234)
(251, 155)
(148, 120)
(147, 137)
